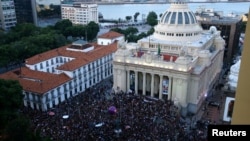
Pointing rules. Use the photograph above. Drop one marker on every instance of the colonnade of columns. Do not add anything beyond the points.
(156, 83)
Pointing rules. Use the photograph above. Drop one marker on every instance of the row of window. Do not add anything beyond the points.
(74, 14)
(52, 63)
(178, 34)
(165, 47)
(78, 9)
(10, 24)
(179, 18)
(73, 9)
(68, 87)
(95, 64)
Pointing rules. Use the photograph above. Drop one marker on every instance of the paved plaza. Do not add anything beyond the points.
(87, 116)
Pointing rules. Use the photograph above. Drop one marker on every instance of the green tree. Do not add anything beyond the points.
(62, 25)
(19, 51)
(141, 35)
(152, 18)
(11, 99)
(77, 31)
(19, 129)
(92, 30)
(128, 18)
(119, 30)
(151, 31)
(25, 29)
(131, 38)
(131, 30)
(135, 16)
(13, 125)
(4, 56)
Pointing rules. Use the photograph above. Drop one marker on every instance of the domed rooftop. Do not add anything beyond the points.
(178, 23)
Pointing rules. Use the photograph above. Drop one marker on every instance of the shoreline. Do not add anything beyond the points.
(121, 3)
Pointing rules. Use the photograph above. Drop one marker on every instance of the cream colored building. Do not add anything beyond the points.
(179, 62)
(80, 13)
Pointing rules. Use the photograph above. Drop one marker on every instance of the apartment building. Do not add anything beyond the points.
(80, 13)
(7, 14)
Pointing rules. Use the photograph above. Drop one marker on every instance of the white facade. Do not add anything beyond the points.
(105, 41)
(80, 79)
(229, 104)
(7, 14)
(233, 75)
(52, 77)
(179, 62)
(79, 13)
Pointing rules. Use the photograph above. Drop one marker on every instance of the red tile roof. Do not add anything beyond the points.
(36, 81)
(110, 35)
(81, 58)
(47, 81)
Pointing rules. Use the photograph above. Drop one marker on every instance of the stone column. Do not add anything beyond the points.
(160, 89)
(144, 84)
(170, 88)
(136, 82)
(114, 77)
(128, 80)
(152, 85)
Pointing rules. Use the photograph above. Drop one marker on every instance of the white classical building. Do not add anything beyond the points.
(51, 77)
(179, 62)
(80, 13)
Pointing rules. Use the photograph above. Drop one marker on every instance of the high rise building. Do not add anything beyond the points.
(26, 11)
(180, 62)
(80, 13)
(241, 113)
(230, 27)
(7, 14)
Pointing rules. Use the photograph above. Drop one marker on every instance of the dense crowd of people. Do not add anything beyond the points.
(88, 116)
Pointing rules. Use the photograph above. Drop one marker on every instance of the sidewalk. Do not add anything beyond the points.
(214, 113)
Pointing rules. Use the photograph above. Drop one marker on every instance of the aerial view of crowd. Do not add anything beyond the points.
(100, 114)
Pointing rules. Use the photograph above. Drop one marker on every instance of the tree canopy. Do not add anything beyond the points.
(88, 32)
(11, 99)
(131, 33)
(13, 125)
(135, 16)
(26, 40)
(152, 18)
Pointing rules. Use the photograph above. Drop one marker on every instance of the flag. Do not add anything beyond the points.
(159, 50)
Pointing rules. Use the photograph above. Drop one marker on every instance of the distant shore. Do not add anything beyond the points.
(152, 2)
